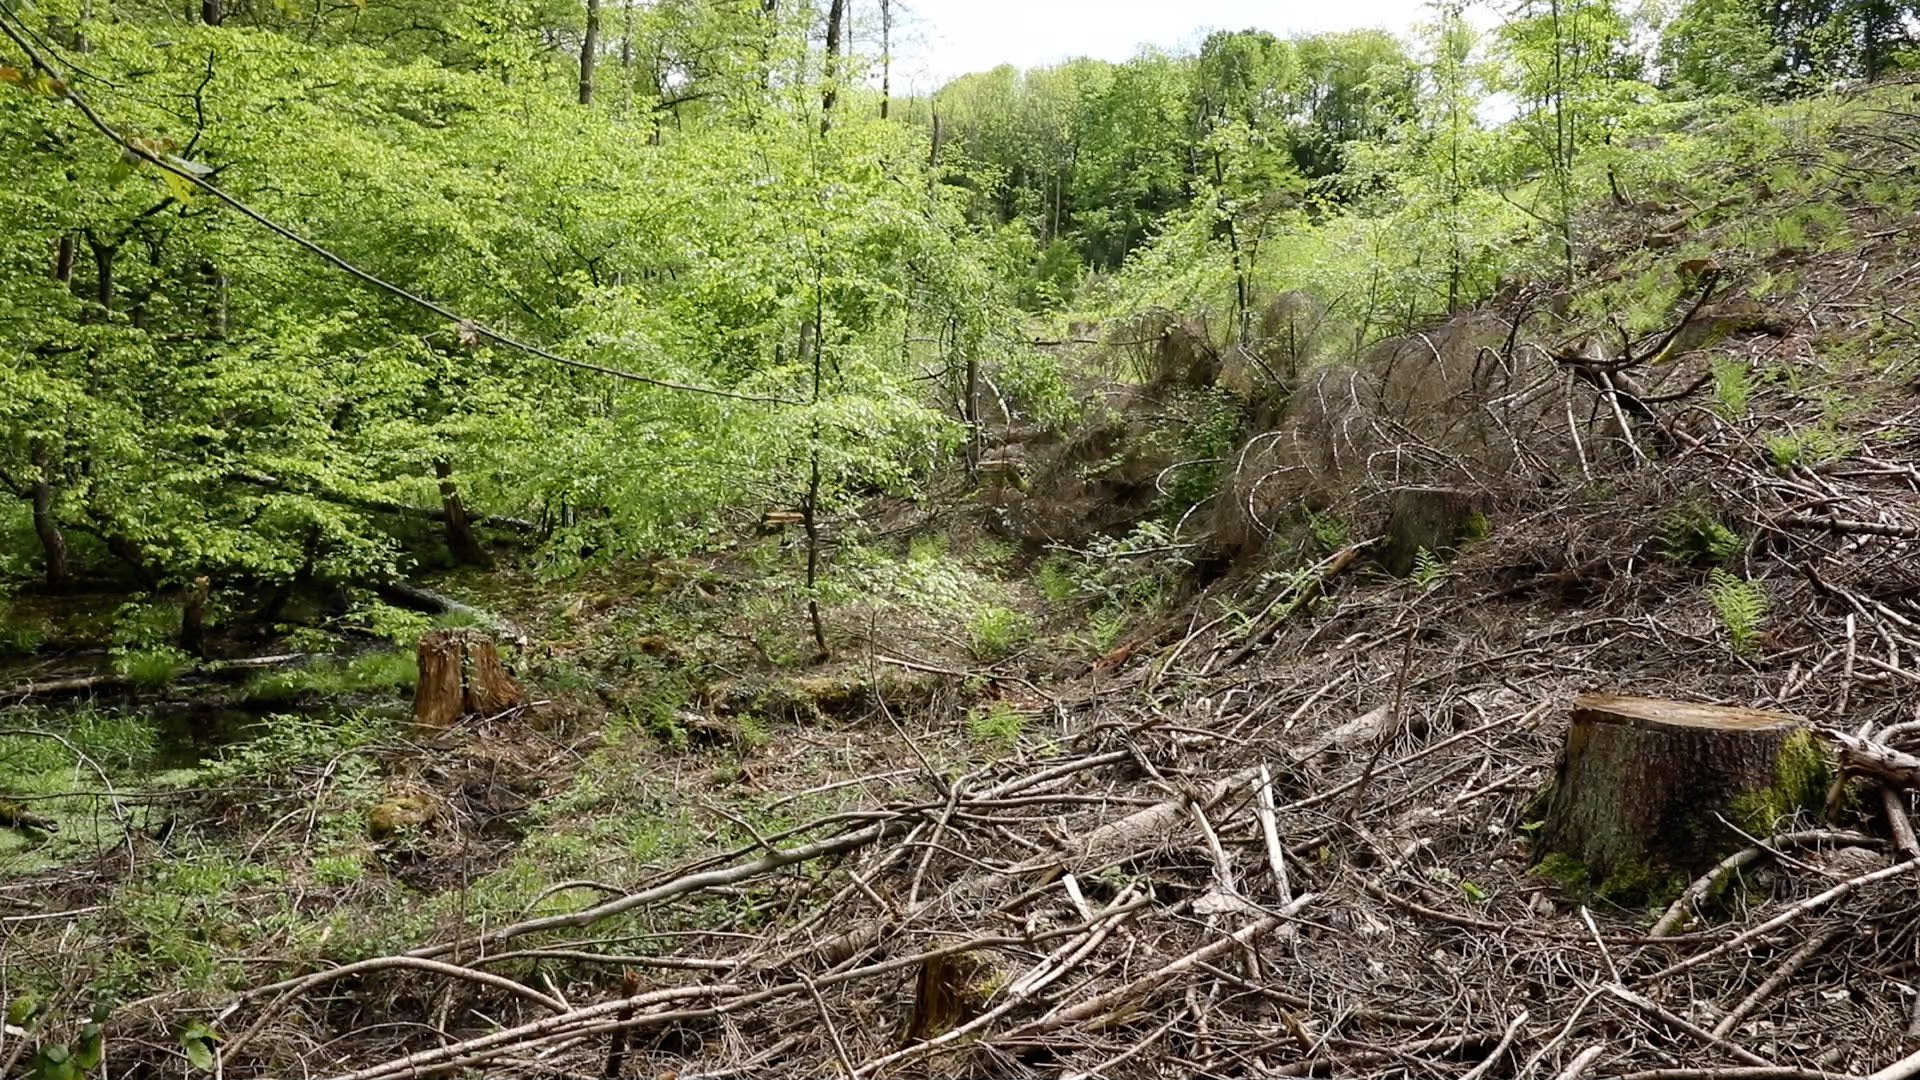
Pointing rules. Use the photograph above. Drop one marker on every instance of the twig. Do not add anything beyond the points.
(1795, 961)
(1786, 917)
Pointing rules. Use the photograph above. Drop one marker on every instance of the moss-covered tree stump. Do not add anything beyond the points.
(461, 675)
(1646, 791)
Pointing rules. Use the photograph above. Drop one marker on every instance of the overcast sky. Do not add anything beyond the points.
(939, 39)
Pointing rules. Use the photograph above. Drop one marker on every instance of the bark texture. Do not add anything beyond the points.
(460, 676)
(1648, 791)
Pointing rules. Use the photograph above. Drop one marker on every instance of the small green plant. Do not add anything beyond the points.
(1741, 606)
(752, 731)
(998, 725)
(1814, 446)
(21, 639)
(1732, 386)
(1104, 628)
(157, 665)
(1329, 532)
(927, 547)
(995, 632)
(1055, 579)
(993, 553)
(1427, 568)
(1696, 536)
(196, 1041)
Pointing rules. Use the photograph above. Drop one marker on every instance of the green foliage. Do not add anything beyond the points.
(378, 671)
(1741, 606)
(1104, 627)
(1057, 578)
(1329, 532)
(1813, 446)
(154, 666)
(1695, 535)
(1428, 568)
(995, 632)
(1732, 386)
(998, 726)
(196, 1041)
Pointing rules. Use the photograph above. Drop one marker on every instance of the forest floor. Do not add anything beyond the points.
(1034, 821)
(1062, 800)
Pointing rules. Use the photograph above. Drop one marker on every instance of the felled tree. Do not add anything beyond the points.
(1649, 793)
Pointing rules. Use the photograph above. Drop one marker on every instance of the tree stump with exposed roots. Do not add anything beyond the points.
(461, 676)
(1649, 794)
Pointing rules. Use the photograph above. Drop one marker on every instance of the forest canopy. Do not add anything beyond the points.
(724, 200)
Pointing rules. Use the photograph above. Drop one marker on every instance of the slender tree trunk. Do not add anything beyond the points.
(193, 616)
(972, 405)
(810, 510)
(589, 52)
(460, 539)
(769, 34)
(63, 260)
(53, 542)
(836, 17)
(215, 309)
(213, 12)
(886, 55)
(933, 155)
(103, 259)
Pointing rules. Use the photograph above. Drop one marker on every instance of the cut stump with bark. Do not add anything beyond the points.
(460, 676)
(1648, 794)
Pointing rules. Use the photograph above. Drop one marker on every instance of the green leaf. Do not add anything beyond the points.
(177, 186)
(54, 1063)
(91, 1049)
(22, 1009)
(197, 1040)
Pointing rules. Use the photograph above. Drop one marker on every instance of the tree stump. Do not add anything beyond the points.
(1636, 806)
(460, 676)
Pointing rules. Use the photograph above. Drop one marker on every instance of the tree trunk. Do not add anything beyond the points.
(1648, 794)
(460, 539)
(193, 616)
(836, 16)
(461, 676)
(886, 56)
(589, 52)
(103, 258)
(53, 542)
(63, 259)
(213, 12)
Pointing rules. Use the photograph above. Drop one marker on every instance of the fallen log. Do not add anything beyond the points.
(104, 680)
(374, 504)
(419, 598)
(1875, 759)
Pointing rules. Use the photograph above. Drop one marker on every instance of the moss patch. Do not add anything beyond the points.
(1802, 773)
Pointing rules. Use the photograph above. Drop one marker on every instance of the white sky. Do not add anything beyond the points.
(936, 40)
